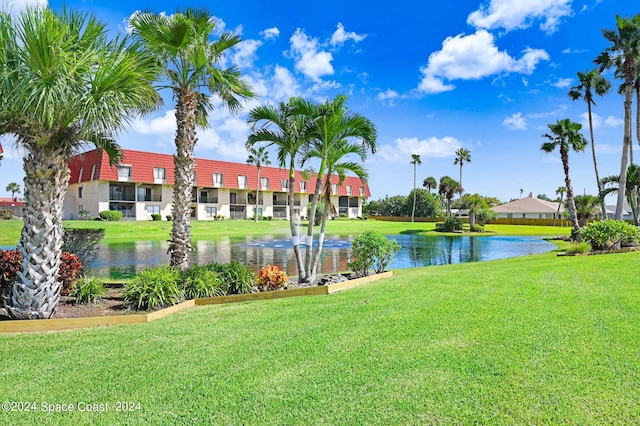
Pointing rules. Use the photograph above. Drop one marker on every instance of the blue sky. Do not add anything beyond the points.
(486, 75)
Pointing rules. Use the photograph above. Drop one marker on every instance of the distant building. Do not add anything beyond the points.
(143, 185)
(528, 208)
(14, 205)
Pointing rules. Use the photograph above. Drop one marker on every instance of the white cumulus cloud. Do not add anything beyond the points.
(519, 14)
(388, 94)
(473, 56)
(14, 7)
(340, 36)
(244, 54)
(270, 33)
(598, 121)
(434, 147)
(310, 60)
(562, 83)
(515, 121)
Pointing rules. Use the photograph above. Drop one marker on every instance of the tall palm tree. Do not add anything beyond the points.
(181, 43)
(623, 54)
(430, 183)
(259, 157)
(416, 161)
(462, 156)
(284, 128)
(63, 84)
(565, 135)
(591, 82)
(560, 192)
(632, 190)
(331, 125)
(13, 188)
(448, 189)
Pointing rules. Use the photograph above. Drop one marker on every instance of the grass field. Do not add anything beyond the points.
(208, 230)
(533, 340)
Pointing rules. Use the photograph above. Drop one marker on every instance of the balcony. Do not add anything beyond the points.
(154, 198)
(208, 200)
(279, 202)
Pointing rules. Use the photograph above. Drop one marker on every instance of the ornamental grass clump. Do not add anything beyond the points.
(271, 277)
(88, 290)
(201, 281)
(154, 288)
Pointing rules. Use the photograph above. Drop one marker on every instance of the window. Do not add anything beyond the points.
(264, 183)
(524, 215)
(510, 215)
(217, 180)
(349, 192)
(211, 211)
(80, 174)
(80, 192)
(285, 184)
(159, 174)
(362, 191)
(334, 188)
(124, 173)
(303, 186)
(242, 182)
(153, 209)
(93, 172)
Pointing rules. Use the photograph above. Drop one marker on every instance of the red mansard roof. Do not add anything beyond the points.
(143, 163)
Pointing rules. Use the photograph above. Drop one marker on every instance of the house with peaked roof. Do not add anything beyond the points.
(529, 208)
(142, 185)
(14, 205)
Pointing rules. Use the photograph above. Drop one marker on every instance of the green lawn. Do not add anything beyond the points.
(207, 230)
(533, 340)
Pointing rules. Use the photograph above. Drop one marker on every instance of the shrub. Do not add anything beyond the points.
(154, 288)
(271, 277)
(83, 243)
(608, 234)
(169, 218)
(200, 281)
(88, 290)
(11, 263)
(476, 228)
(110, 215)
(485, 216)
(450, 224)
(156, 216)
(236, 277)
(371, 250)
(581, 247)
(6, 215)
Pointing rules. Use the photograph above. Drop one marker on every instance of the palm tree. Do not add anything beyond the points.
(591, 82)
(448, 189)
(632, 189)
(63, 84)
(416, 161)
(586, 207)
(560, 192)
(259, 157)
(462, 156)
(13, 188)
(430, 183)
(284, 128)
(566, 135)
(331, 125)
(623, 54)
(181, 43)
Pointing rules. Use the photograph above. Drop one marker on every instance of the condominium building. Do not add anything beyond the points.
(142, 184)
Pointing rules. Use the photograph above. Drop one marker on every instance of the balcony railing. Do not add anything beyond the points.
(239, 201)
(208, 200)
(279, 202)
(121, 197)
(154, 198)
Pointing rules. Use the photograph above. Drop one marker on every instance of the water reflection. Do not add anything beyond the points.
(125, 259)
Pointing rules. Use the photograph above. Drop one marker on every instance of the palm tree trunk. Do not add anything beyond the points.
(625, 150)
(312, 217)
(257, 196)
(294, 230)
(316, 254)
(558, 211)
(37, 292)
(564, 155)
(180, 242)
(595, 163)
(413, 210)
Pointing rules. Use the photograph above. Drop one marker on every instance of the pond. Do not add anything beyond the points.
(125, 259)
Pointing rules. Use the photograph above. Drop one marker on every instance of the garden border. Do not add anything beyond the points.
(57, 324)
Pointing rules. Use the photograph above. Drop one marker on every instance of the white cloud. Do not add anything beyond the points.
(310, 60)
(573, 51)
(607, 149)
(518, 14)
(387, 94)
(612, 121)
(598, 121)
(525, 82)
(165, 124)
(515, 121)
(14, 7)
(434, 147)
(244, 53)
(340, 36)
(562, 83)
(473, 56)
(270, 33)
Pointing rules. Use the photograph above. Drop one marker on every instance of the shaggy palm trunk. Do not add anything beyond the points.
(626, 145)
(316, 254)
(180, 243)
(573, 217)
(37, 292)
(294, 230)
(472, 218)
(595, 163)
